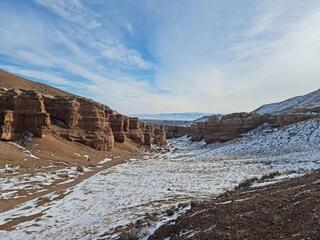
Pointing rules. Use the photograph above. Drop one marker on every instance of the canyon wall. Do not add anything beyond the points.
(225, 128)
(228, 127)
(73, 118)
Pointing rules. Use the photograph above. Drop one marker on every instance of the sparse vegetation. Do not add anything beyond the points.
(247, 183)
(182, 205)
(170, 212)
(80, 169)
(269, 176)
(195, 203)
(132, 234)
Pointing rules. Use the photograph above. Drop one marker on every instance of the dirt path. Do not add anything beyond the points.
(285, 210)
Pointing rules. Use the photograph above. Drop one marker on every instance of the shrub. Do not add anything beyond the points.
(132, 234)
(270, 176)
(170, 212)
(247, 183)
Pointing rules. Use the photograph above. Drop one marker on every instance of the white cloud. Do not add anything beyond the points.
(277, 60)
(210, 56)
(97, 31)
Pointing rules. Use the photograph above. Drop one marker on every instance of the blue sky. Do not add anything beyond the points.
(163, 55)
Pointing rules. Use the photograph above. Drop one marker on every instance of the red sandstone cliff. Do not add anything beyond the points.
(228, 127)
(71, 117)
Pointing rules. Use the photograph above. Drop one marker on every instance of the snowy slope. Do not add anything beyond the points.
(310, 100)
(295, 147)
(126, 193)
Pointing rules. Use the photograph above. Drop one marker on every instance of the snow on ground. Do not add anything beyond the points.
(125, 193)
(25, 151)
(292, 148)
(30, 183)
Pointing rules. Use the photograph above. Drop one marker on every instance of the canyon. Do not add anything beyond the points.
(222, 128)
(75, 168)
(74, 118)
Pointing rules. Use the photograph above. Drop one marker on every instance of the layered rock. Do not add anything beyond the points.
(177, 131)
(225, 128)
(136, 130)
(160, 136)
(117, 125)
(221, 129)
(71, 117)
(6, 118)
(283, 120)
(22, 111)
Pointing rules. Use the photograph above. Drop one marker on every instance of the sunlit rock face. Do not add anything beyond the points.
(222, 129)
(71, 117)
(228, 127)
(22, 110)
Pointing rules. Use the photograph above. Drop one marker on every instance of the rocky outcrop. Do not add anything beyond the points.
(71, 117)
(221, 129)
(160, 136)
(6, 118)
(117, 126)
(21, 110)
(228, 127)
(177, 131)
(283, 119)
(136, 132)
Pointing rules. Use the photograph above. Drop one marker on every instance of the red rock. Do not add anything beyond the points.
(71, 117)
(6, 118)
(160, 136)
(117, 126)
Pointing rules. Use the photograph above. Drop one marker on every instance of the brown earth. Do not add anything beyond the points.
(9, 80)
(285, 210)
(54, 154)
(54, 130)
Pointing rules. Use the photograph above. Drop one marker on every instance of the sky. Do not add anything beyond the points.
(150, 56)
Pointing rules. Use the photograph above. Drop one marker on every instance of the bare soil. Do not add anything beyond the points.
(286, 210)
(9, 80)
(56, 153)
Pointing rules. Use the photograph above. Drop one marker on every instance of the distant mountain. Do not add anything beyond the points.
(308, 101)
(187, 116)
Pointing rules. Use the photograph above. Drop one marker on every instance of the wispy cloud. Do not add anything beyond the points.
(152, 56)
(97, 31)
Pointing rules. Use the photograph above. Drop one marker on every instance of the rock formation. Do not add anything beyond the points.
(221, 129)
(20, 110)
(71, 117)
(177, 131)
(160, 136)
(228, 127)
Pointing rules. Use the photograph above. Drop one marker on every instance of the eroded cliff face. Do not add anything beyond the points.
(20, 110)
(73, 118)
(222, 129)
(228, 127)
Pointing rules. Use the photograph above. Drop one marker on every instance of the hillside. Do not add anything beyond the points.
(9, 80)
(310, 100)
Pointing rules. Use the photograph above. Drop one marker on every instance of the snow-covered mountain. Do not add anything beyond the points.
(310, 100)
(186, 116)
